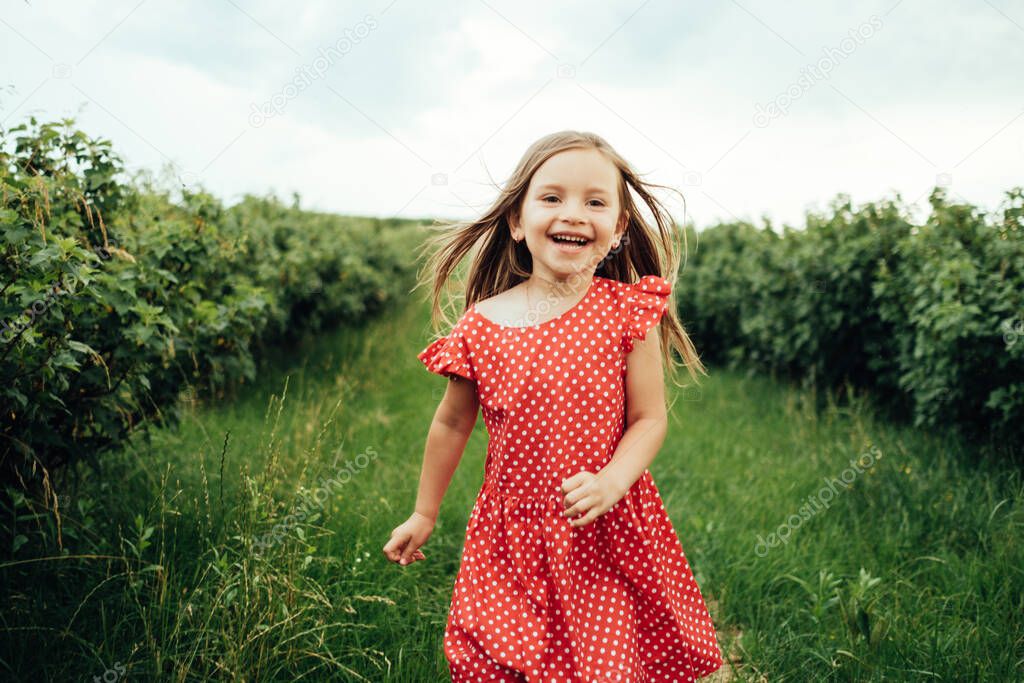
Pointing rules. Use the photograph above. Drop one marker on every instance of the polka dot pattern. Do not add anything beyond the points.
(536, 599)
(645, 303)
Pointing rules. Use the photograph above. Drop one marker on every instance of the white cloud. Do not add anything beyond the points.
(452, 91)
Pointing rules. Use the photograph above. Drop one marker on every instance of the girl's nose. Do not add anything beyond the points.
(571, 215)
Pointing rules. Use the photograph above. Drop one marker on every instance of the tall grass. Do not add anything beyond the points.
(171, 569)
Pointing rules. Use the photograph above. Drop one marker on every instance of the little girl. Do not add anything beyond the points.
(571, 570)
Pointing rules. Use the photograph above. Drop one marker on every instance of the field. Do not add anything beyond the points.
(911, 571)
(228, 231)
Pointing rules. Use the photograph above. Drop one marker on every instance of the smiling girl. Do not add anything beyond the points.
(571, 570)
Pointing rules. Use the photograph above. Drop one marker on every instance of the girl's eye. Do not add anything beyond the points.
(551, 196)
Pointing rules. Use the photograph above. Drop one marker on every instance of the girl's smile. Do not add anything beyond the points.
(570, 242)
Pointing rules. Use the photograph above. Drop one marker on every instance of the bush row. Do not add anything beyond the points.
(928, 318)
(116, 298)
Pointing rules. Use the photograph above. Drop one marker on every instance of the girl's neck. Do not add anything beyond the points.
(572, 284)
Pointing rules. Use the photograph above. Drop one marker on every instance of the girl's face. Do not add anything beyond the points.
(573, 194)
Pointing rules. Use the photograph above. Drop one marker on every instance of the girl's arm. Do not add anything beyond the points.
(646, 418)
(449, 431)
(453, 422)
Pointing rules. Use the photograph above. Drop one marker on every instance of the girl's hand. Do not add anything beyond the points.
(406, 539)
(588, 494)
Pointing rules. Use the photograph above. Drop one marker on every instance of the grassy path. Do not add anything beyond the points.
(910, 568)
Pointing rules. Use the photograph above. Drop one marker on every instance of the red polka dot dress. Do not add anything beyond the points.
(536, 599)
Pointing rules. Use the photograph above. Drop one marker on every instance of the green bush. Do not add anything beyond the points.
(114, 298)
(957, 303)
(929, 319)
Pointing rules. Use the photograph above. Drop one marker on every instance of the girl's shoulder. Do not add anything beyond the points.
(647, 289)
(452, 354)
(640, 305)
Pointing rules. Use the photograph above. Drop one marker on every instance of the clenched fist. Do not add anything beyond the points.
(406, 539)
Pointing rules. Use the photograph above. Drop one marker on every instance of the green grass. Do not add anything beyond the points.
(162, 573)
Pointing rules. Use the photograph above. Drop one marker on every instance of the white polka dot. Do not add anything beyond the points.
(535, 598)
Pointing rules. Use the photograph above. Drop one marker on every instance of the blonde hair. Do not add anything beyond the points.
(499, 263)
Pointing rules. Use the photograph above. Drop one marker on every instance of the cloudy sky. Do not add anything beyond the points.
(399, 108)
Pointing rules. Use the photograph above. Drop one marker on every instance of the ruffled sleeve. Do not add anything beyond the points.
(449, 355)
(645, 303)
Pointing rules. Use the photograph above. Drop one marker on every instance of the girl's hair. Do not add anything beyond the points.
(499, 263)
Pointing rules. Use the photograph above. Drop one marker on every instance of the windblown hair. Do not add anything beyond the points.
(498, 262)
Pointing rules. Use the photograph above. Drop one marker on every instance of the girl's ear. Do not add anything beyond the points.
(513, 227)
(620, 229)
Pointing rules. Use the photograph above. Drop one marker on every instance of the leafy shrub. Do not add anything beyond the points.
(114, 298)
(929, 319)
